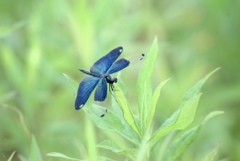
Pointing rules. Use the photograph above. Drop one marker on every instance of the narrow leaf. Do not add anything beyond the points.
(111, 145)
(105, 158)
(72, 82)
(111, 122)
(10, 158)
(181, 119)
(180, 145)
(211, 115)
(155, 97)
(35, 154)
(127, 113)
(174, 122)
(195, 89)
(212, 155)
(92, 152)
(144, 83)
(60, 155)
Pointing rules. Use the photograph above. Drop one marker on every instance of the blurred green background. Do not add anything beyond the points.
(40, 40)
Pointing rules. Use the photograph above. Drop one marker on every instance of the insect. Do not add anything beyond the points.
(99, 76)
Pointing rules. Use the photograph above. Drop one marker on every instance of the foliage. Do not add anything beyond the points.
(143, 140)
(40, 40)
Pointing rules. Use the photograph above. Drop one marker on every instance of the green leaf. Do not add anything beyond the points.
(180, 145)
(211, 115)
(35, 154)
(92, 152)
(181, 119)
(105, 158)
(111, 145)
(212, 155)
(60, 155)
(195, 89)
(10, 158)
(72, 82)
(177, 148)
(155, 97)
(144, 83)
(127, 113)
(111, 122)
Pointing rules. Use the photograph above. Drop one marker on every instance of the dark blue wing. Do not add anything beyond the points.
(101, 91)
(85, 88)
(103, 64)
(118, 65)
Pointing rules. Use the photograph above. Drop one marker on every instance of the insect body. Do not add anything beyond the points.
(99, 76)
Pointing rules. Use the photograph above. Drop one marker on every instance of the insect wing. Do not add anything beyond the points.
(85, 89)
(103, 64)
(124, 62)
(101, 91)
(133, 59)
(118, 65)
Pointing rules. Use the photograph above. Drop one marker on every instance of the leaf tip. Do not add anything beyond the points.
(211, 115)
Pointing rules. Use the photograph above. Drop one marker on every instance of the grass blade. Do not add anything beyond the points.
(10, 158)
(35, 154)
(60, 155)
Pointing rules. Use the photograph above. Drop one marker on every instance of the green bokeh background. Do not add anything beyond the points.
(40, 40)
